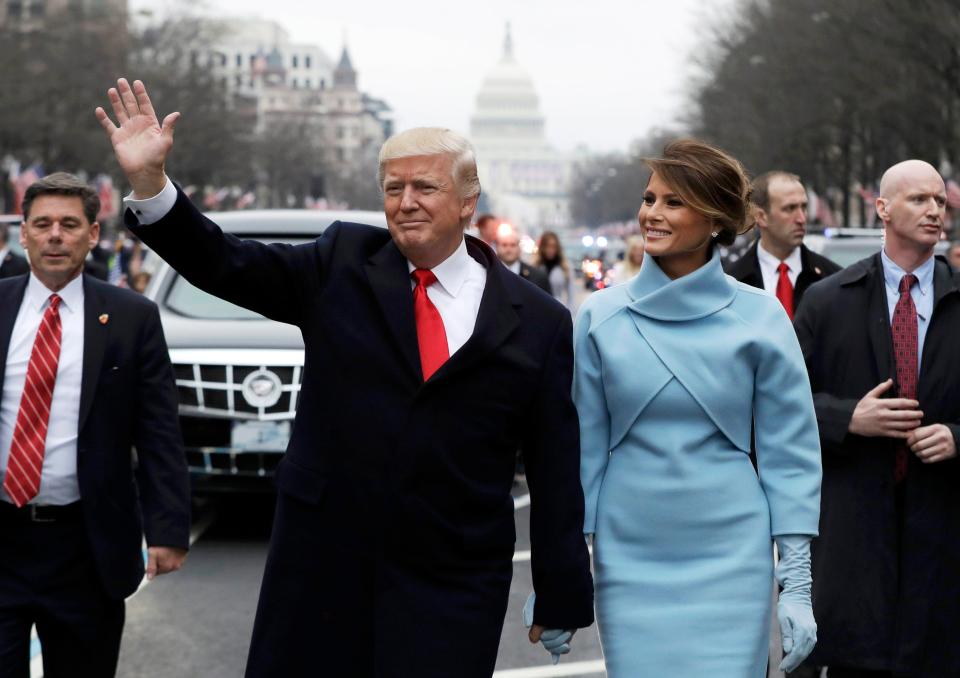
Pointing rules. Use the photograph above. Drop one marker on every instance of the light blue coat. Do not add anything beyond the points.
(670, 377)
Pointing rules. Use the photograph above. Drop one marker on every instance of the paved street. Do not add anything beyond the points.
(197, 622)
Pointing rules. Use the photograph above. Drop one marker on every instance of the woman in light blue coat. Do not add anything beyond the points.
(672, 371)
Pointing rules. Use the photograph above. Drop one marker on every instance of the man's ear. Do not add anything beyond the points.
(760, 215)
(883, 209)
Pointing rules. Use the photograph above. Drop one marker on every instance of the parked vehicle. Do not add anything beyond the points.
(238, 374)
(13, 222)
(846, 246)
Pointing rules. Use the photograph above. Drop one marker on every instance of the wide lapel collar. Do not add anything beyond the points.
(944, 285)
(695, 295)
(389, 277)
(95, 335)
(878, 319)
(809, 274)
(755, 278)
(9, 309)
(680, 320)
(496, 319)
(944, 281)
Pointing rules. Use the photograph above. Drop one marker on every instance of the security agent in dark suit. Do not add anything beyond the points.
(11, 264)
(391, 553)
(86, 378)
(880, 342)
(508, 250)
(778, 261)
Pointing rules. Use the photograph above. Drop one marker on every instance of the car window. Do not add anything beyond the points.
(844, 252)
(185, 299)
(192, 302)
(13, 234)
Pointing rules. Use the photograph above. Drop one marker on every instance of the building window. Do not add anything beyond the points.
(239, 81)
(306, 61)
(253, 57)
(293, 61)
(294, 83)
(323, 83)
(239, 60)
(14, 9)
(307, 83)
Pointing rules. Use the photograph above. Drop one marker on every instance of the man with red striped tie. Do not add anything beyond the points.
(86, 378)
(880, 342)
(778, 261)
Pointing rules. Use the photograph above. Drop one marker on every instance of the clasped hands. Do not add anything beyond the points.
(900, 418)
(555, 641)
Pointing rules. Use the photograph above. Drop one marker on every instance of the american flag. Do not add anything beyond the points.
(21, 182)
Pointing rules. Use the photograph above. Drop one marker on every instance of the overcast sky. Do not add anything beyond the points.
(606, 71)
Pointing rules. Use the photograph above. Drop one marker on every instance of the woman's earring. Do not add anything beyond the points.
(715, 234)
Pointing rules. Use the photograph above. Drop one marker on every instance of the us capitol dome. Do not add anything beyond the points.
(524, 179)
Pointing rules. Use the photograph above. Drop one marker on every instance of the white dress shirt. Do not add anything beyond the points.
(769, 264)
(514, 267)
(58, 479)
(456, 294)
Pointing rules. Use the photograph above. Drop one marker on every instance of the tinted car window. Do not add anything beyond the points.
(192, 302)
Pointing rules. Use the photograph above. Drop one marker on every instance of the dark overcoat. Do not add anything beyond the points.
(813, 268)
(886, 583)
(392, 544)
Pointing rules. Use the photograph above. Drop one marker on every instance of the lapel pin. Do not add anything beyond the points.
(104, 317)
(817, 270)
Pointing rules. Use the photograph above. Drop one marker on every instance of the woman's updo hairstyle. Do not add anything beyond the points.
(709, 181)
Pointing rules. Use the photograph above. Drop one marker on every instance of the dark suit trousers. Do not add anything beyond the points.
(48, 578)
(371, 615)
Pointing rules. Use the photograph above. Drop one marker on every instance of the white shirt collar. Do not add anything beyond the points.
(515, 267)
(3, 253)
(451, 272)
(793, 262)
(71, 296)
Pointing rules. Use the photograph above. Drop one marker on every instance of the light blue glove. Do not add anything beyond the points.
(794, 611)
(554, 641)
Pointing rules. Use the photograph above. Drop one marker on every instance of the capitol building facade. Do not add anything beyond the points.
(524, 179)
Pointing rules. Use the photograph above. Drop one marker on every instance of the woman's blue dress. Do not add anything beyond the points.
(669, 378)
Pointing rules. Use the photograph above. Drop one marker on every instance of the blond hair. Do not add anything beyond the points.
(435, 141)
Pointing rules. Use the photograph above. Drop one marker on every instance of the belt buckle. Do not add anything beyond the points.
(35, 518)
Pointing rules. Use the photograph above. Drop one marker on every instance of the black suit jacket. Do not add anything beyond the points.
(885, 586)
(390, 464)
(13, 264)
(814, 268)
(535, 275)
(127, 399)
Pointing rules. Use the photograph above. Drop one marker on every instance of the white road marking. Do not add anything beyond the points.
(589, 668)
(36, 662)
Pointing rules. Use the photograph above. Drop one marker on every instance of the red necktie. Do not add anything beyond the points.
(785, 289)
(431, 335)
(25, 462)
(904, 332)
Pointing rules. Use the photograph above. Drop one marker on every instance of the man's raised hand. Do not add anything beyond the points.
(140, 142)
